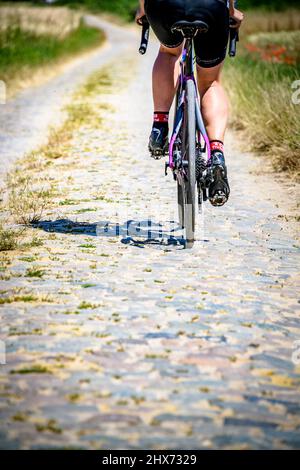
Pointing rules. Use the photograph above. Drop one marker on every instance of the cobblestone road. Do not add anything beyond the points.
(138, 343)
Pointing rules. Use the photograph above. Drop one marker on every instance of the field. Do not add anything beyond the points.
(260, 84)
(36, 39)
(122, 8)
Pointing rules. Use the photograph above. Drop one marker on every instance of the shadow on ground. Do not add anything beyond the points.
(133, 232)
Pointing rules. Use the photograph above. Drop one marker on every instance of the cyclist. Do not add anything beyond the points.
(210, 51)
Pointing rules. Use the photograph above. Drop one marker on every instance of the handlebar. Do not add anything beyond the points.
(234, 35)
(145, 35)
(233, 39)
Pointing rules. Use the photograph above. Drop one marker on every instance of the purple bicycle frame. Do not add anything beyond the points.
(199, 120)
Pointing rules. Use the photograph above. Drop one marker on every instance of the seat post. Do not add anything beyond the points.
(189, 63)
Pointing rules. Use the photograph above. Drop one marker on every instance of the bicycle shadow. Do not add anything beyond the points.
(130, 232)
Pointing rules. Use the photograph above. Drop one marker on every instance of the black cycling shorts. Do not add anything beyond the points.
(210, 47)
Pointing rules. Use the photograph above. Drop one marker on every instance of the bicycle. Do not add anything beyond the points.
(189, 149)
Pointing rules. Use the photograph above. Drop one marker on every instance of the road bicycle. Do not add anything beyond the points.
(189, 149)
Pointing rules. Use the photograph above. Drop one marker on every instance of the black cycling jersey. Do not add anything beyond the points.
(210, 47)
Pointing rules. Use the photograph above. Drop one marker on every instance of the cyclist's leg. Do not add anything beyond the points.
(215, 114)
(211, 51)
(162, 15)
(214, 101)
(165, 75)
(164, 84)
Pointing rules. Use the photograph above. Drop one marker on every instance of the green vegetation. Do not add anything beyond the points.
(281, 47)
(34, 272)
(50, 426)
(259, 82)
(126, 8)
(86, 305)
(18, 298)
(9, 239)
(21, 50)
(33, 38)
(123, 8)
(27, 202)
(35, 369)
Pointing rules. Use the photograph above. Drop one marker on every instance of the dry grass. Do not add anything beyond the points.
(259, 85)
(263, 111)
(263, 22)
(57, 22)
(29, 192)
(28, 198)
(9, 238)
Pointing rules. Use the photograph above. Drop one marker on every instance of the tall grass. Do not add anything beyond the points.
(268, 4)
(260, 90)
(262, 108)
(271, 21)
(56, 22)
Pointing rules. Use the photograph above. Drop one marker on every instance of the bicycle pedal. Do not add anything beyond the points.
(157, 155)
(219, 199)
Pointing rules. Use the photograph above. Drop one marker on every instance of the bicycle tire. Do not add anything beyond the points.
(189, 151)
(180, 188)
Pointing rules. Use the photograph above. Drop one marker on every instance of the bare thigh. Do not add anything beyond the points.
(207, 77)
(174, 51)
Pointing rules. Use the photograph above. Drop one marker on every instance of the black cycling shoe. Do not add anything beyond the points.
(159, 142)
(219, 189)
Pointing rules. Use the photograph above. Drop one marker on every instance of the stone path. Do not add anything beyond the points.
(135, 342)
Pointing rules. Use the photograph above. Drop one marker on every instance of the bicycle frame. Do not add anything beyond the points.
(187, 72)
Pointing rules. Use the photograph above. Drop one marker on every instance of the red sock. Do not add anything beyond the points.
(216, 145)
(161, 117)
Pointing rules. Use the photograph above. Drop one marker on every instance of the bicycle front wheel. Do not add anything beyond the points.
(189, 152)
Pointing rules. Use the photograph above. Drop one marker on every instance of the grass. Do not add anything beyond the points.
(21, 417)
(74, 397)
(58, 22)
(281, 47)
(259, 82)
(272, 21)
(50, 426)
(35, 369)
(122, 8)
(26, 48)
(18, 298)
(27, 198)
(9, 239)
(268, 5)
(86, 305)
(34, 272)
